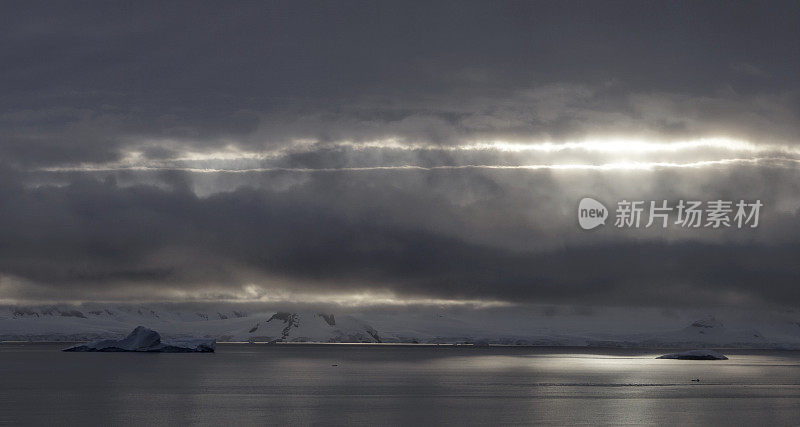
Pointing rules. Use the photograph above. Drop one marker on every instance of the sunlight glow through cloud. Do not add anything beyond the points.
(254, 293)
(236, 160)
(606, 145)
(642, 166)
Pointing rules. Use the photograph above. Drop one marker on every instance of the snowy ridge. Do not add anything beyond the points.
(64, 323)
(521, 327)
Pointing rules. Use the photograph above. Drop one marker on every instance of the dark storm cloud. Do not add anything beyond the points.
(82, 81)
(337, 234)
(98, 84)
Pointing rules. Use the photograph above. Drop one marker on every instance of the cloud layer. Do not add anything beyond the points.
(200, 151)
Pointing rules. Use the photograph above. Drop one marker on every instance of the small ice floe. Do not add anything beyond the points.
(695, 355)
(147, 341)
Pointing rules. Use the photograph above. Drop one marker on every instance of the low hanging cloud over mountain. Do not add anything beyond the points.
(368, 152)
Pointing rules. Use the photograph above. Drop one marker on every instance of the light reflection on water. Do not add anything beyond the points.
(256, 384)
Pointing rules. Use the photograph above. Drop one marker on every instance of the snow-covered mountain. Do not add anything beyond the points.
(709, 331)
(68, 323)
(622, 327)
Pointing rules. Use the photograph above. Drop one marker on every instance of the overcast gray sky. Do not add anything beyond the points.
(399, 152)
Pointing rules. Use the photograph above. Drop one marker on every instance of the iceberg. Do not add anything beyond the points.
(695, 355)
(147, 341)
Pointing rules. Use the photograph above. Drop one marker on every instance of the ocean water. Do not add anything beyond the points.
(244, 384)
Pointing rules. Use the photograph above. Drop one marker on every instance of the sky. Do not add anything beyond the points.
(396, 153)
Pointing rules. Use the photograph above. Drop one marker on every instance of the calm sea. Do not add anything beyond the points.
(244, 384)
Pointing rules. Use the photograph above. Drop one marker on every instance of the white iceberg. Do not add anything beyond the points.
(695, 355)
(147, 340)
